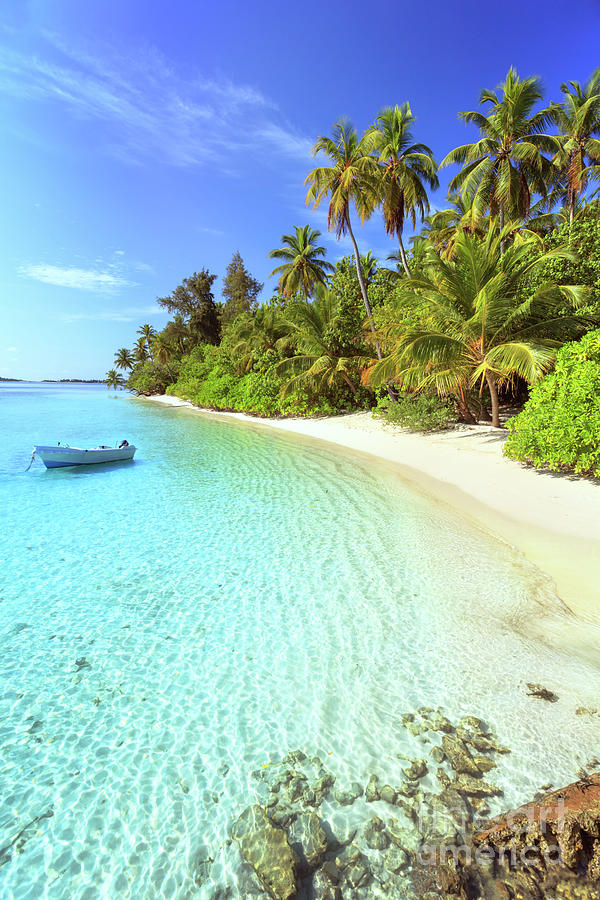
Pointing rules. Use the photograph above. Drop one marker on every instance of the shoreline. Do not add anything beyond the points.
(553, 520)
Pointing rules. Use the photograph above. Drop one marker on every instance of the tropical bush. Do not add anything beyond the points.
(582, 239)
(560, 423)
(476, 329)
(150, 377)
(417, 412)
(209, 378)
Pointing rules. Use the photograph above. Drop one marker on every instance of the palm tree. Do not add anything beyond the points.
(578, 118)
(265, 330)
(321, 360)
(114, 379)
(162, 352)
(349, 179)
(476, 328)
(368, 264)
(148, 333)
(506, 166)
(124, 359)
(442, 227)
(140, 350)
(178, 333)
(304, 267)
(404, 170)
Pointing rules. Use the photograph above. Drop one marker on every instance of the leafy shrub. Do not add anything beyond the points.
(208, 378)
(559, 426)
(150, 377)
(418, 412)
(583, 239)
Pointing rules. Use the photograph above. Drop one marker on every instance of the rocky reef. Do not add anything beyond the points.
(308, 836)
(428, 836)
(547, 848)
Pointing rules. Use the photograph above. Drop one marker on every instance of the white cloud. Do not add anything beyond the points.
(285, 141)
(150, 110)
(12, 350)
(73, 277)
(143, 267)
(216, 232)
(127, 314)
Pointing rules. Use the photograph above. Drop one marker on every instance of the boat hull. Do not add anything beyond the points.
(61, 457)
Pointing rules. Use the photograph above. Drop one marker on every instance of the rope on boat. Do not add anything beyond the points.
(30, 462)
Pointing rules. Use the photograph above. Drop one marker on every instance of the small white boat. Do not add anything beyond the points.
(64, 455)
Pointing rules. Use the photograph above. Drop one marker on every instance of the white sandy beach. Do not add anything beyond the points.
(554, 520)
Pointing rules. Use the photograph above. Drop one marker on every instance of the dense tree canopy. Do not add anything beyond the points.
(476, 329)
(240, 290)
(194, 300)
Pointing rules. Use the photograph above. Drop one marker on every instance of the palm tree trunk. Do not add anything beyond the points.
(463, 409)
(502, 242)
(349, 382)
(363, 289)
(571, 206)
(403, 255)
(493, 389)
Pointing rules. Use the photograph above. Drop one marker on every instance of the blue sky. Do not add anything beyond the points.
(145, 139)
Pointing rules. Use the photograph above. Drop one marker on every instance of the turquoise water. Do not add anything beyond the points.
(170, 625)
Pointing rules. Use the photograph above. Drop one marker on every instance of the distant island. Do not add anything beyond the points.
(57, 380)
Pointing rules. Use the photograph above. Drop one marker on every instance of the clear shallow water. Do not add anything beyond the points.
(168, 626)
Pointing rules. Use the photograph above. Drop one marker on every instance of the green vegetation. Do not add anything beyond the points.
(114, 379)
(506, 166)
(304, 267)
(494, 291)
(474, 329)
(417, 412)
(560, 423)
(209, 378)
(403, 171)
(240, 290)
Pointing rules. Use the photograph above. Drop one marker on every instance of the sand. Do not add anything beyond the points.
(552, 519)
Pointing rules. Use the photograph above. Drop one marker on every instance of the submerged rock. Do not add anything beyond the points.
(475, 787)
(297, 787)
(201, 866)
(375, 835)
(416, 770)
(345, 798)
(308, 840)
(474, 723)
(437, 754)
(487, 745)
(484, 764)
(324, 888)
(459, 756)
(265, 848)
(437, 721)
(542, 693)
(396, 860)
(372, 789)
(388, 794)
(295, 756)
